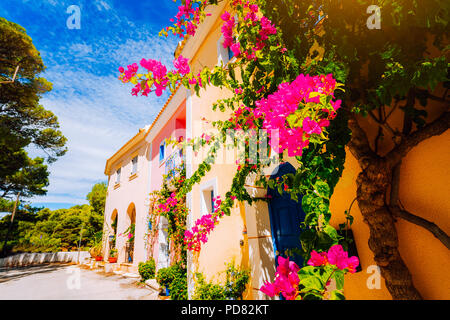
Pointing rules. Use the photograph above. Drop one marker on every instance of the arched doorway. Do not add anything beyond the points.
(285, 218)
(130, 233)
(113, 230)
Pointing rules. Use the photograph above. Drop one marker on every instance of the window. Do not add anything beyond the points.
(212, 201)
(118, 175)
(134, 163)
(208, 192)
(162, 149)
(223, 54)
(230, 54)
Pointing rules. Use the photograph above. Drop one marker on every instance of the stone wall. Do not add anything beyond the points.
(26, 259)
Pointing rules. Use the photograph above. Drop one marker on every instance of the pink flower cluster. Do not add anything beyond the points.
(265, 25)
(182, 65)
(171, 202)
(335, 256)
(199, 232)
(227, 29)
(203, 226)
(286, 280)
(129, 73)
(289, 98)
(188, 17)
(159, 75)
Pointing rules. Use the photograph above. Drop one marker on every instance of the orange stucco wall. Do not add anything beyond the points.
(424, 192)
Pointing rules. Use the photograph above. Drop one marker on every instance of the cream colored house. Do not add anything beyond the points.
(251, 234)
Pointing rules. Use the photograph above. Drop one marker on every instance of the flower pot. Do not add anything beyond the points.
(167, 292)
(98, 258)
(112, 259)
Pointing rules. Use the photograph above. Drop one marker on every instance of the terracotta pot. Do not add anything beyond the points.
(112, 259)
(98, 258)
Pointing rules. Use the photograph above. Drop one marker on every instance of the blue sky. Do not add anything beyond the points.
(95, 110)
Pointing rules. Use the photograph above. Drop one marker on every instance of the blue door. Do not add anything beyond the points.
(285, 218)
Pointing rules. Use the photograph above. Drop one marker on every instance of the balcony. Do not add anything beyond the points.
(174, 164)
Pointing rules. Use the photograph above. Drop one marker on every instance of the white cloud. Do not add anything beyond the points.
(95, 110)
(80, 49)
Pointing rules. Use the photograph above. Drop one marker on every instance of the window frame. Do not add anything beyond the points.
(163, 146)
(118, 175)
(134, 165)
(208, 190)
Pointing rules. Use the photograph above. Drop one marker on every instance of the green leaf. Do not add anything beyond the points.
(322, 188)
(339, 277)
(312, 296)
(312, 283)
(337, 295)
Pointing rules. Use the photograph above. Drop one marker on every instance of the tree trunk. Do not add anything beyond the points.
(372, 186)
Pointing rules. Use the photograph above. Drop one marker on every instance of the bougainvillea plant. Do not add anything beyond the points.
(172, 206)
(297, 110)
(312, 281)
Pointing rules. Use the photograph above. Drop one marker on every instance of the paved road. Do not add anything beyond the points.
(68, 282)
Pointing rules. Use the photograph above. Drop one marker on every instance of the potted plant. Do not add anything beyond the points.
(112, 255)
(164, 277)
(96, 249)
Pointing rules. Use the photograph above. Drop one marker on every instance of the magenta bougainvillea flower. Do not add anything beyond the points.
(335, 256)
(317, 259)
(182, 65)
(286, 280)
(303, 92)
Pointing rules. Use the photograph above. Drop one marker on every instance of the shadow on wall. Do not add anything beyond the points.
(263, 267)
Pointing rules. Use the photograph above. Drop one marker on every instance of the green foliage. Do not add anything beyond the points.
(176, 216)
(378, 65)
(314, 281)
(113, 254)
(236, 282)
(233, 288)
(147, 269)
(175, 279)
(178, 287)
(208, 290)
(45, 230)
(97, 197)
(23, 121)
(165, 276)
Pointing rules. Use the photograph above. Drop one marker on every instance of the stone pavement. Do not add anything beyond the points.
(69, 282)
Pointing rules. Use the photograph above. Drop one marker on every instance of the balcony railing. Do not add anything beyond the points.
(174, 161)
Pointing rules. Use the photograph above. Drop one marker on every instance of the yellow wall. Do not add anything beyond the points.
(424, 191)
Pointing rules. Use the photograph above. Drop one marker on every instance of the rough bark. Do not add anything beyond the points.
(373, 184)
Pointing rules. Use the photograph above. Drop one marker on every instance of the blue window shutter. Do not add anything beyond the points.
(230, 53)
(212, 200)
(161, 152)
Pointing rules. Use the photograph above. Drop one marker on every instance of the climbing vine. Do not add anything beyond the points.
(308, 125)
(172, 206)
